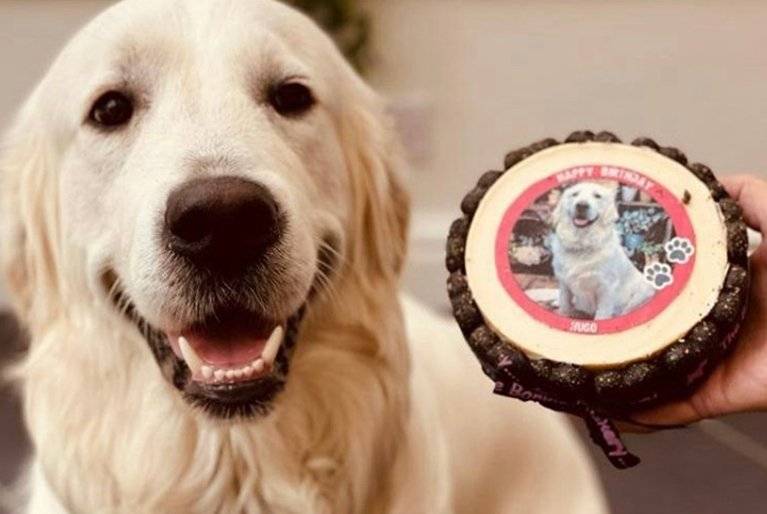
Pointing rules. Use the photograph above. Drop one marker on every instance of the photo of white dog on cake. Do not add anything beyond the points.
(581, 249)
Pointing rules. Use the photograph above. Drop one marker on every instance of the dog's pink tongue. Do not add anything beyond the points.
(234, 350)
(580, 222)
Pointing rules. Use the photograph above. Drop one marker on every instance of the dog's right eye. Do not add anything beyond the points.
(112, 109)
(291, 98)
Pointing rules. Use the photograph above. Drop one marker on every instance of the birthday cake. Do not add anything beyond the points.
(596, 275)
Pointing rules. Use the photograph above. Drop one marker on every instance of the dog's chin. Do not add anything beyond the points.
(232, 365)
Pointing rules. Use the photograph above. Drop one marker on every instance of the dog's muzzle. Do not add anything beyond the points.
(233, 359)
(225, 225)
(582, 217)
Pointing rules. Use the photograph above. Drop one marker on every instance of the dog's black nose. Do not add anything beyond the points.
(581, 207)
(223, 223)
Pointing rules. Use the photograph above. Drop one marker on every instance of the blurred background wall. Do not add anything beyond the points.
(482, 77)
(469, 80)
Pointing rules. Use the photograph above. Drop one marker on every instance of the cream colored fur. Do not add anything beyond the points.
(383, 413)
(595, 275)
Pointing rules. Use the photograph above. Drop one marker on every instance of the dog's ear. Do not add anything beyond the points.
(556, 214)
(29, 219)
(380, 204)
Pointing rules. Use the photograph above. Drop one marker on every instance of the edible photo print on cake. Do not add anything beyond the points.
(595, 249)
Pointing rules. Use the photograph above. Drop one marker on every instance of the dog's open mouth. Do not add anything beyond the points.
(583, 221)
(231, 366)
(234, 350)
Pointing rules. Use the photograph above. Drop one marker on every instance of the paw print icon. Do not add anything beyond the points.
(659, 275)
(679, 250)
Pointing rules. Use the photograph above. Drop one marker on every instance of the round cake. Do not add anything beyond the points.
(597, 276)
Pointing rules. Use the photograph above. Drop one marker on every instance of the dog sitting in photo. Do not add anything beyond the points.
(203, 231)
(597, 280)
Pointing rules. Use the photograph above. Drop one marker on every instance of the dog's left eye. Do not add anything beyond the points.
(291, 98)
(597, 196)
(112, 109)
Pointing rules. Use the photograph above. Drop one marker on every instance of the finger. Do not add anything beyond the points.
(629, 427)
(678, 413)
(751, 194)
(635, 426)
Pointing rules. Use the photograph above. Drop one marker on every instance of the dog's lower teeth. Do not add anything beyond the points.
(210, 374)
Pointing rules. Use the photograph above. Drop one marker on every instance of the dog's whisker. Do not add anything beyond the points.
(333, 252)
(328, 288)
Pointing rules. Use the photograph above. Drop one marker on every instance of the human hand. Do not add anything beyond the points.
(739, 384)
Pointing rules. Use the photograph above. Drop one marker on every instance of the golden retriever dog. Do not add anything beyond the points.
(203, 230)
(597, 280)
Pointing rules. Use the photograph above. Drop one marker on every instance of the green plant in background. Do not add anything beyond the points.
(636, 229)
(346, 23)
(640, 220)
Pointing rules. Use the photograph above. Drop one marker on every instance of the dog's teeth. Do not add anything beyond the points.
(190, 357)
(220, 375)
(273, 345)
(248, 371)
(207, 372)
(230, 374)
(259, 366)
(238, 373)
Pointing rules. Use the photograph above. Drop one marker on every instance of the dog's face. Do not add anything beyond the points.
(205, 182)
(586, 203)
